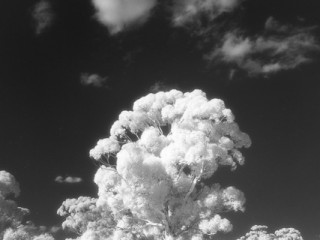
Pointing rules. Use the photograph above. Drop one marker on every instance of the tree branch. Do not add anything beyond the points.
(194, 183)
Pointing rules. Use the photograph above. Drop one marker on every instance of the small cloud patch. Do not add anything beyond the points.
(87, 79)
(68, 180)
(191, 11)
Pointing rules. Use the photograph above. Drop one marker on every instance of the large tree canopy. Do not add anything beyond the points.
(154, 177)
(151, 182)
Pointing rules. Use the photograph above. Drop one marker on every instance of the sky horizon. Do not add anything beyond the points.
(69, 67)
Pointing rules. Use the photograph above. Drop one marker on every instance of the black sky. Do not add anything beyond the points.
(49, 121)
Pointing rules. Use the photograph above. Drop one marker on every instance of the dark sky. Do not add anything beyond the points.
(50, 121)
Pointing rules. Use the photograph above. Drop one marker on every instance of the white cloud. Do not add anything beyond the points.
(234, 48)
(189, 11)
(279, 47)
(94, 80)
(118, 15)
(43, 15)
(68, 179)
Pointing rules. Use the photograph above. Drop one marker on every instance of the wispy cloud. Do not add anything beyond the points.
(119, 15)
(191, 11)
(68, 179)
(279, 47)
(161, 86)
(43, 16)
(94, 80)
(211, 23)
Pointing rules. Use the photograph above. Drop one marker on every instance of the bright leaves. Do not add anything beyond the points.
(164, 149)
(150, 182)
(12, 224)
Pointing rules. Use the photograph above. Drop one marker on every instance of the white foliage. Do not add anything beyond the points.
(8, 184)
(288, 234)
(164, 148)
(26, 231)
(11, 215)
(153, 141)
(233, 199)
(259, 232)
(104, 147)
(215, 224)
(45, 236)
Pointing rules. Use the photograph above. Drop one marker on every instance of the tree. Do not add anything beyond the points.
(260, 233)
(10, 214)
(12, 225)
(153, 169)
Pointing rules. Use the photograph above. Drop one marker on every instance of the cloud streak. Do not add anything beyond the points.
(190, 11)
(68, 180)
(119, 15)
(161, 86)
(279, 47)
